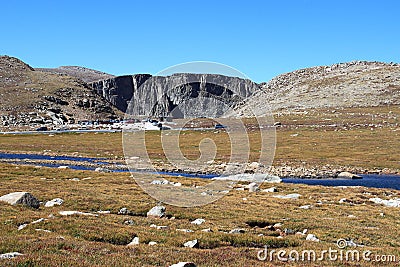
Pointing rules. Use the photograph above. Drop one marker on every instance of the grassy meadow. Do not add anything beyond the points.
(343, 138)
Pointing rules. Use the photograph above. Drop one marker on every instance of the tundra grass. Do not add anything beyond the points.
(364, 137)
(101, 240)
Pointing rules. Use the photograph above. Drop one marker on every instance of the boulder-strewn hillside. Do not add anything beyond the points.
(33, 98)
(82, 73)
(353, 84)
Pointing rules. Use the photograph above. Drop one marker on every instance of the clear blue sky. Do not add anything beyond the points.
(260, 38)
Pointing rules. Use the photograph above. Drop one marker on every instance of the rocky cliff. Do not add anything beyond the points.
(352, 84)
(149, 95)
(119, 90)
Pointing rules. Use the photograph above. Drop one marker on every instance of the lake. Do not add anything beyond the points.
(369, 180)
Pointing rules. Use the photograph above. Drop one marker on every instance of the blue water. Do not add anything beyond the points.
(47, 157)
(87, 168)
(369, 180)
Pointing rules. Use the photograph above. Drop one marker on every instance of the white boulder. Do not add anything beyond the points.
(23, 198)
(53, 202)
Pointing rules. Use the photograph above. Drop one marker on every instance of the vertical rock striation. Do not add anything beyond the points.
(148, 95)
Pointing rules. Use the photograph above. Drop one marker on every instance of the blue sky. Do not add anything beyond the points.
(259, 38)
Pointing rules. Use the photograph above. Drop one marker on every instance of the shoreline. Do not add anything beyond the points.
(112, 165)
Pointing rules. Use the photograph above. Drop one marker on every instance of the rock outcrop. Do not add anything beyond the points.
(119, 90)
(159, 96)
(352, 84)
(23, 198)
(32, 98)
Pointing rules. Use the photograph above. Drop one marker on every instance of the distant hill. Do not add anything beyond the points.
(352, 84)
(31, 98)
(82, 73)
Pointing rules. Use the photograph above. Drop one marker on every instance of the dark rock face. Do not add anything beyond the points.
(119, 91)
(146, 95)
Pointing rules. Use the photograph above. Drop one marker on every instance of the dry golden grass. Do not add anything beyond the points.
(100, 241)
(302, 138)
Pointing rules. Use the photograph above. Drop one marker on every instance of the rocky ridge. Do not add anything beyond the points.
(68, 94)
(158, 95)
(352, 84)
(82, 73)
(31, 98)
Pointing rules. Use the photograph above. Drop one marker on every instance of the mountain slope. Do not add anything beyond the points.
(353, 84)
(32, 98)
(82, 73)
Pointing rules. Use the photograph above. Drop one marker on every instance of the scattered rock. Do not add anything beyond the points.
(75, 179)
(270, 190)
(246, 177)
(38, 221)
(343, 200)
(74, 212)
(185, 230)
(311, 237)
(103, 211)
(43, 230)
(63, 167)
(134, 242)
(156, 211)
(253, 187)
(348, 175)
(10, 255)
(289, 196)
(99, 169)
(191, 243)
(394, 203)
(198, 221)
(254, 165)
(305, 207)
(302, 233)
(208, 230)
(288, 231)
(183, 264)
(129, 222)
(123, 211)
(160, 182)
(152, 243)
(237, 231)
(56, 201)
(22, 226)
(23, 198)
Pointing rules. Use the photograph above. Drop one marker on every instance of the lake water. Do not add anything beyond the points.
(369, 180)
